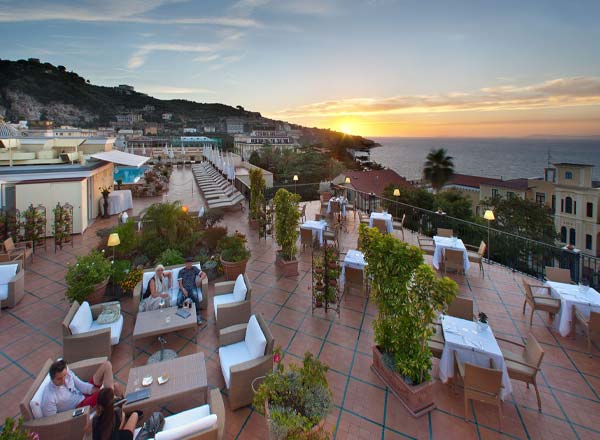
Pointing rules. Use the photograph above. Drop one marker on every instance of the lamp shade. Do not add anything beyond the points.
(397, 192)
(489, 215)
(113, 240)
(347, 180)
(184, 208)
(295, 177)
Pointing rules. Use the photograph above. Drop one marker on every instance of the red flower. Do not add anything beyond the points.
(277, 358)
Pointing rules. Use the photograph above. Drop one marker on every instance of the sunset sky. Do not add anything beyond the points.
(370, 67)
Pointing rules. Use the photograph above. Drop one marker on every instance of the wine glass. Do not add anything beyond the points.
(161, 303)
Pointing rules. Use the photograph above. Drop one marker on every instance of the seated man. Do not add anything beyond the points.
(190, 278)
(66, 391)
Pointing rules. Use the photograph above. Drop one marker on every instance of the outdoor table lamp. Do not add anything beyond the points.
(489, 216)
(113, 240)
(295, 179)
(396, 194)
(184, 208)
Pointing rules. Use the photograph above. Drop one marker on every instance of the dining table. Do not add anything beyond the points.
(443, 243)
(341, 200)
(584, 298)
(317, 227)
(354, 259)
(382, 216)
(474, 343)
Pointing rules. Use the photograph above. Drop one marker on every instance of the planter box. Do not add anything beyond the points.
(232, 270)
(417, 399)
(288, 268)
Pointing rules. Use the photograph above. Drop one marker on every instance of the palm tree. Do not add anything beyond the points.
(438, 168)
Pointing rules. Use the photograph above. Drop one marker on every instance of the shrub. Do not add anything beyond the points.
(286, 222)
(15, 431)
(233, 248)
(120, 269)
(212, 236)
(170, 257)
(132, 278)
(82, 276)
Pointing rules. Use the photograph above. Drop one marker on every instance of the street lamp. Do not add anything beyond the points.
(295, 179)
(397, 194)
(489, 216)
(113, 241)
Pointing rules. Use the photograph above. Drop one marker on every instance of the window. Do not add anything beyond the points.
(540, 198)
(575, 207)
(569, 205)
(572, 236)
(494, 192)
(588, 242)
(590, 210)
(568, 175)
(553, 204)
(562, 205)
(563, 234)
(510, 195)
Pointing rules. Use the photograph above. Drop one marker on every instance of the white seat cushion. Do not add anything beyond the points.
(187, 430)
(115, 327)
(239, 289)
(36, 401)
(255, 339)
(82, 320)
(185, 417)
(231, 355)
(227, 298)
(7, 273)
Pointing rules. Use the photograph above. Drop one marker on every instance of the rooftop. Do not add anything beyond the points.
(364, 409)
(375, 181)
(471, 181)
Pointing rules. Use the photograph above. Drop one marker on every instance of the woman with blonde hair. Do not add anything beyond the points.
(157, 292)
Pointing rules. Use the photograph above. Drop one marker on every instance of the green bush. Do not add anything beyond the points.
(82, 276)
(120, 269)
(212, 236)
(408, 294)
(15, 431)
(287, 219)
(128, 237)
(170, 257)
(233, 248)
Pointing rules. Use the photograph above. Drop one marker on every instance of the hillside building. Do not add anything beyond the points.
(245, 144)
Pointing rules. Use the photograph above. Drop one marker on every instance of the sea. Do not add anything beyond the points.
(490, 157)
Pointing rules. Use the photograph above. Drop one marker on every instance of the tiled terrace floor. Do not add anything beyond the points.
(364, 409)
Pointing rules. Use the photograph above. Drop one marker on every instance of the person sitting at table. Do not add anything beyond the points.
(157, 290)
(109, 424)
(66, 391)
(189, 279)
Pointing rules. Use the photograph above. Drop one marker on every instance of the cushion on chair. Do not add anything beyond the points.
(239, 290)
(185, 417)
(231, 355)
(188, 429)
(227, 298)
(82, 320)
(7, 272)
(36, 401)
(255, 339)
(115, 327)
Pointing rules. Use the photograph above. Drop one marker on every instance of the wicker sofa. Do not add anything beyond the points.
(245, 354)
(61, 426)
(12, 283)
(232, 302)
(83, 337)
(140, 288)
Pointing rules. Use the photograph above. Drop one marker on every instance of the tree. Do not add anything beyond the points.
(438, 168)
(455, 204)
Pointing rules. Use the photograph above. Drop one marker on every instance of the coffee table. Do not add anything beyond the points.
(161, 322)
(187, 383)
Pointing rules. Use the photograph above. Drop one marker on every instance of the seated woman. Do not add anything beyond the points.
(111, 424)
(157, 290)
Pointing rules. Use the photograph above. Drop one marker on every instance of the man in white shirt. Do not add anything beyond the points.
(66, 391)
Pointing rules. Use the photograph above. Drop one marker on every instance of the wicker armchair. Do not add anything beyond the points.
(399, 226)
(97, 342)
(61, 426)
(14, 284)
(476, 255)
(229, 310)
(454, 260)
(544, 303)
(240, 375)
(461, 308)
(426, 245)
(591, 326)
(23, 249)
(558, 275)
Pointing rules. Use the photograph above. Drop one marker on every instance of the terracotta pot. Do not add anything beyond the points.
(417, 399)
(333, 282)
(288, 268)
(318, 303)
(97, 296)
(332, 265)
(318, 270)
(319, 286)
(232, 270)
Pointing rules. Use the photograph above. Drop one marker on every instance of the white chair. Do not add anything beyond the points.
(206, 422)
(84, 337)
(232, 302)
(245, 354)
(12, 284)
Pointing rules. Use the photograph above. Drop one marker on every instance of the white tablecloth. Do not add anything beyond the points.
(383, 216)
(585, 299)
(317, 227)
(354, 259)
(119, 201)
(474, 345)
(442, 243)
(342, 201)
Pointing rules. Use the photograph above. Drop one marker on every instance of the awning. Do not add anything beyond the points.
(121, 158)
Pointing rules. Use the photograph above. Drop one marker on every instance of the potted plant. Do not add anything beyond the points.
(296, 400)
(287, 219)
(133, 277)
(408, 295)
(105, 190)
(15, 431)
(257, 197)
(234, 255)
(88, 277)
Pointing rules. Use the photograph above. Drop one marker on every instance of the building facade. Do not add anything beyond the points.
(245, 144)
